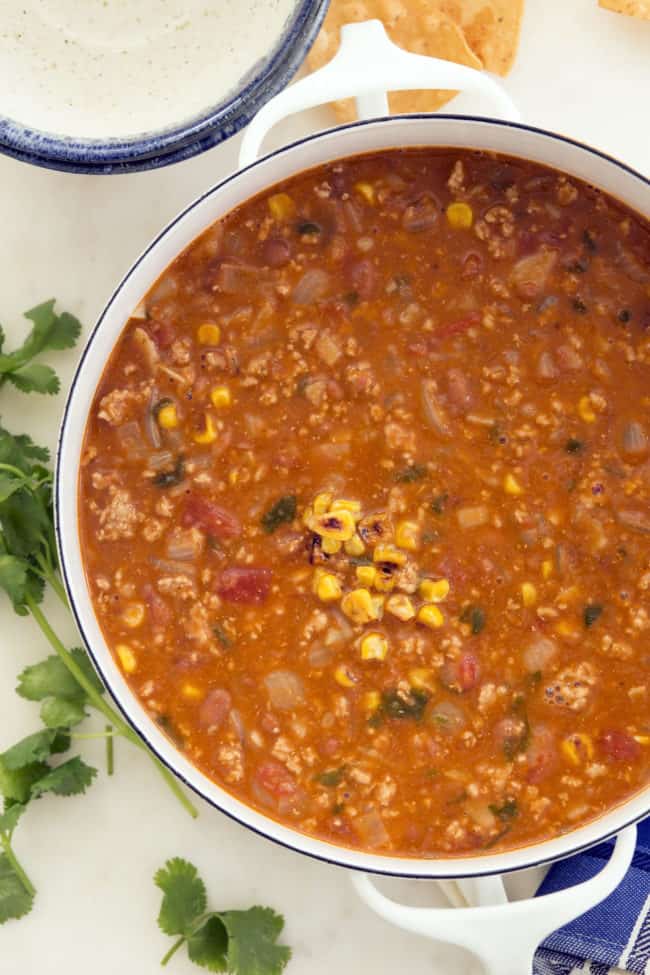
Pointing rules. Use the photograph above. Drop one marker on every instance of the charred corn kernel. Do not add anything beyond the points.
(400, 606)
(208, 434)
(388, 553)
(209, 334)
(358, 606)
(327, 587)
(422, 679)
(371, 701)
(344, 676)
(642, 739)
(126, 657)
(585, 410)
(374, 646)
(133, 615)
(547, 569)
(434, 590)
(460, 216)
(407, 535)
(576, 748)
(322, 503)
(430, 616)
(192, 692)
(354, 546)
(366, 575)
(281, 206)
(167, 417)
(344, 504)
(330, 546)
(528, 594)
(367, 191)
(221, 397)
(511, 485)
(337, 525)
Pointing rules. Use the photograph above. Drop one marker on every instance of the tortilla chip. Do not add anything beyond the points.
(633, 8)
(408, 24)
(491, 28)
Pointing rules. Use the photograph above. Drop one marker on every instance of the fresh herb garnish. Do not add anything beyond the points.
(238, 942)
(475, 617)
(397, 705)
(573, 446)
(332, 777)
(172, 477)
(49, 332)
(222, 636)
(507, 811)
(439, 503)
(414, 472)
(591, 613)
(309, 228)
(283, 511)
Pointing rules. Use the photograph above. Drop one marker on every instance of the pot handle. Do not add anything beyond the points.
(365, 65)
(504, 936)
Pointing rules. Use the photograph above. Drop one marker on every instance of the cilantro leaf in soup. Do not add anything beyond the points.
(414, 472)
(439, 503)
(395, 705)
(506, 811)
(475, 617)
(332, 777)
(592, 613)
(280, 513)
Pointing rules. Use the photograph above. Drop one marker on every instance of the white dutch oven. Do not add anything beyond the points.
(503, 934)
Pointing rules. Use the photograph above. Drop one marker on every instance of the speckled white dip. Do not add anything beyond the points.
(95, 69)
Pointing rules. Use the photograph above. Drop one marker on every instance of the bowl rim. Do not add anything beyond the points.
(536, 854)
(202, 131)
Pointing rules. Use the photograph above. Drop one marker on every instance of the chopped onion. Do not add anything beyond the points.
(539, 654)
(185, 545)
(479, 811)
(150, 423)
(472, 516)
(546, 369)
(131, 439)
(432, 410)
(636, 521)
(371, 829)
(166, 287)
(634, 442)
(238, 725)
(286, 689)
(312, 286)
(568, 358)
(530, 273)
(172, 568)
(147, 346)
(236, 279)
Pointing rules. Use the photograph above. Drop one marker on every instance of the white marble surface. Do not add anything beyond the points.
(580, 71)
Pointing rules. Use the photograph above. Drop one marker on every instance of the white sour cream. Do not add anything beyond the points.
(119, 68)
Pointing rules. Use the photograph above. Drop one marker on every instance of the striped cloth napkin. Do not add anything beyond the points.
(613, 937)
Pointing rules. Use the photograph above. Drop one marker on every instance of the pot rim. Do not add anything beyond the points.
(525, 857)
(162, 147)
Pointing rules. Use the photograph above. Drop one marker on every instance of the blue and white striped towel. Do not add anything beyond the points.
(613, 936)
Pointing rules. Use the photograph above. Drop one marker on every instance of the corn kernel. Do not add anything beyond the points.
(327, 587)
(511, 485)
(209, 434)
(460, 216)
(354, 546)
(344, 676)
(528, 594)
(407, 535)
(358, 606)
(221, 397)
(338, 525)
(434, 590)
(366, 575)
(322, 503)
(422, 679)
(192, 692)
(371, 701)
(642, 739)
(126, 657)
(209, 334)
(133, 615)
(167, 416)
(330, 546)
(344, 504)
(430, 616)
(585, 410)
(367, 191)
(374, 646)
(387, 553)
(384, 581)
(576, 748)
(281, 206)
(400, 606)
(547, 569)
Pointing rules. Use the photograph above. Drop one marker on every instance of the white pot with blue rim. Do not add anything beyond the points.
(102, 88)
(503, 934)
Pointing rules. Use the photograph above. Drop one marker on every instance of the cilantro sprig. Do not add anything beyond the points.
(237, 942)
(65, 683)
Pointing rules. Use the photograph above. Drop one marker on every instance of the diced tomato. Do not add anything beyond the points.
(244, 584)
(619, 746)
(163, 333)
(458, 326)
(215, 708)
(211, 518)
(276, 779)
(461, 674)
(541, 754)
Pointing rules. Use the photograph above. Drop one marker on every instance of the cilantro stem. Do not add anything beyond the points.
(110, 751)
(172, 951)
(93, 734)
(100, 704)
(18, 870)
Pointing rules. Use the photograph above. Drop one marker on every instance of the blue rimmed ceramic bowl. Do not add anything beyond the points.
(161, 148)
